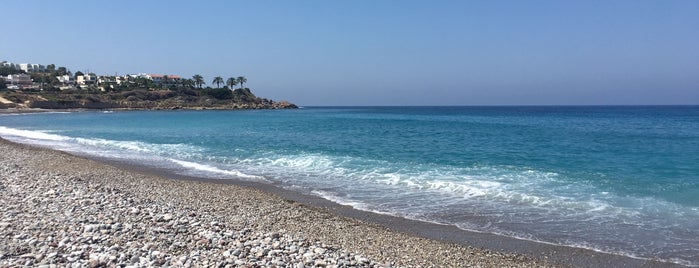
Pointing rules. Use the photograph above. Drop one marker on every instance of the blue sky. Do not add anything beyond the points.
(366, 52)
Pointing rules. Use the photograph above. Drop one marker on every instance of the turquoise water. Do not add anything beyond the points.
(623, 180)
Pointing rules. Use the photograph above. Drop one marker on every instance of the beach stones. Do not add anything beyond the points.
(72, 220)
(57, 210)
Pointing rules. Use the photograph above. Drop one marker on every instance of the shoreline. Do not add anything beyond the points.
(71, 110)
(552, 253)
(378, 236)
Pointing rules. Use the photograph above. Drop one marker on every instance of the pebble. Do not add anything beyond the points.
(89, 237)
(57, 210)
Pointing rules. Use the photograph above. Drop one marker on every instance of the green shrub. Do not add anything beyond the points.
(218, 93)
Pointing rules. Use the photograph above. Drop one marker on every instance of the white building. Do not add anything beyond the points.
(30, 68)
(21, 80)
(164, 80)
(86, 79)
(102, 80)
(9, 65)
(65, 79)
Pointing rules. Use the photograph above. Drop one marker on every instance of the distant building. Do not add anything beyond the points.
(165, 80)
(121, 79)
(19, 80)
(102, 80)
(31, 68)
(6, 64)
(108, 82)
(26, 67)
(66, 79)
(86, 79)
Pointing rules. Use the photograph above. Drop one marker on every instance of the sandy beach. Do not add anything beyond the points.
(63, 210)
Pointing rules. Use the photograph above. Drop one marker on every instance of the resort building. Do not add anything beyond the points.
(18, 81)
(86, 79)
(6, 64)
(26, 67)
(165, 80)
(66, 79)
(31, 68)
(109, 82)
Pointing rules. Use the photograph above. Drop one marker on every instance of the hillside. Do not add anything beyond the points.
(158, 99)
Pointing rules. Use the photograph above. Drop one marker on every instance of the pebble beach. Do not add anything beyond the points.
(60, 210)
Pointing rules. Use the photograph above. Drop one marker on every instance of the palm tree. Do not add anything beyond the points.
(218, 81)
(43, 79)
(241, 80)
(231, 82)
(198, 80)
(188, 82)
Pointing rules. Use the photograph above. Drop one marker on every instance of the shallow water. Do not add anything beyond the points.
(616, 179)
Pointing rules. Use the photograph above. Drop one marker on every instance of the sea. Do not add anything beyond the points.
(616, 179)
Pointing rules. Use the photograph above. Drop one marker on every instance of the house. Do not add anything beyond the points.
(20, 80)
(66, 79)
(108, 82)
(165, 80)
(86, 79)
(121, 79)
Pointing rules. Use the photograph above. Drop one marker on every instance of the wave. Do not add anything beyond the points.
(124, 149)
(211, 169)
(29, 134)
(510, 200)
(517, 186)
(30, 113)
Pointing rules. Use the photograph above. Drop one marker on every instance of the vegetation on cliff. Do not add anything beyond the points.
(206, 98)
(141, 93)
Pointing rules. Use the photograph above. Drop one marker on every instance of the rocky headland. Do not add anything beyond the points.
(141, 99)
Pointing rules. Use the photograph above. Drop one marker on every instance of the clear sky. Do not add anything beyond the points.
(374, 52)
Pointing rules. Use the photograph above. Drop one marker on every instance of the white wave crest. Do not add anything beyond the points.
(212, 169)
(516, 186)
(127, 145)
(30, 134)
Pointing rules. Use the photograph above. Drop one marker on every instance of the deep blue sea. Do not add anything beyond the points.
(623, 180)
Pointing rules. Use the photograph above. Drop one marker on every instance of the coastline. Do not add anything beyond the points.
(189, 108)
(382, 238)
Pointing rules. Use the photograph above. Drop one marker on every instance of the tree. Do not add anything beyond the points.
(5, 71)
(231, 82)
(43, 81)
(143, 82)
(198, 80)
(79, 73)
(241, 80)
(51, 68)
(53, 80)
(62, 71)
(218, 81)
(188, 83)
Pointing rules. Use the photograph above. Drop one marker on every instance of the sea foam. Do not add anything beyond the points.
(30, 134)
(211, 169)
